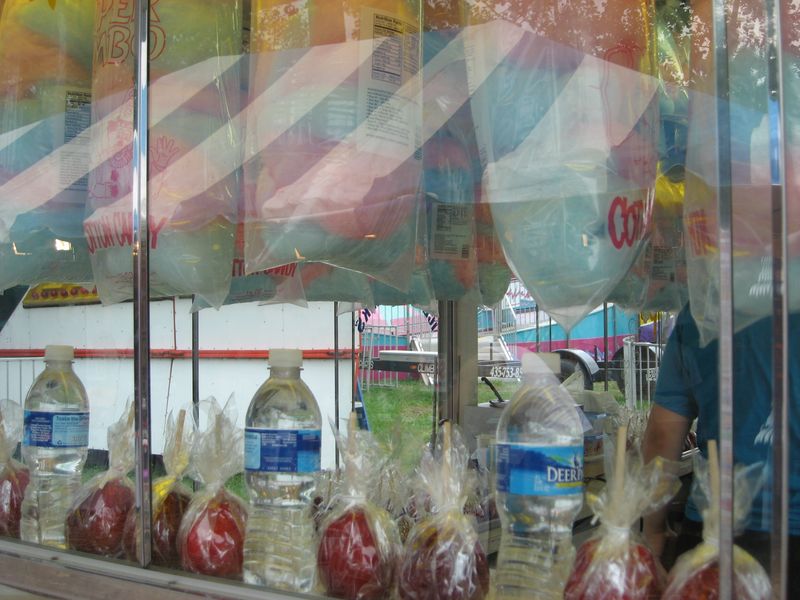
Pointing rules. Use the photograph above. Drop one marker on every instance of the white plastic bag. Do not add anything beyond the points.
(753, 171)
(194, 148)
(568, 124)
(45, 97)
(335, 169)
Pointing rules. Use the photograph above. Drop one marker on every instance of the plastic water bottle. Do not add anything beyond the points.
(282, 454)
(54, 447)
(539, 485)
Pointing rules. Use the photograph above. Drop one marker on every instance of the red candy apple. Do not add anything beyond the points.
(636, 575)
(214, 541)
(166, 523)
(441, 563)
(97, 524)
(350, 563)
(167, 517)
(703, 584)
(14, 478)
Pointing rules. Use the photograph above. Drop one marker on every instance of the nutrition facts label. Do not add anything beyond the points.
(56, 430)
(452, 231)
(388, 106)
(75, 156)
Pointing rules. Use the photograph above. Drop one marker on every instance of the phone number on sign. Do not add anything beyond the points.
(504, 372)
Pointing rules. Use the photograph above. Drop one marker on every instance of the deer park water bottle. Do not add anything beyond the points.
(282, 454)
(54, 447)
(539, 485)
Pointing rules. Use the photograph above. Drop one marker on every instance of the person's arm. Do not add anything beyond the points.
(665, 434)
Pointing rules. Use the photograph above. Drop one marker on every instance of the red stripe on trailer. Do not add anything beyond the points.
(169, 353)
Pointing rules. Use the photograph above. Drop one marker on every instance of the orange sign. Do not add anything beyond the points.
(59, 294)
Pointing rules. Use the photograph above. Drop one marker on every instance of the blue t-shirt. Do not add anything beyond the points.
(688, 385)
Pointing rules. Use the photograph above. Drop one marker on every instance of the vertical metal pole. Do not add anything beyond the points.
(196, 377)
(781, 444)
(605, 346)
(336, 372)
(141, 274)
(724, 217)
(538, 340)
(353, 364)
(196, 368)
(447, 371)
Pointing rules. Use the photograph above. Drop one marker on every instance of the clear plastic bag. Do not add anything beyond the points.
(278, 284)
(696, 573)
(335, 166)
(615, 562)
(211, 536)
(448, 177)
(494, 275)
(753, 138)
(14, 476)
(579, 83)
(323, 282)
(443, 557)
(96, 521)
(657, 280)
(170, 498)
(45, 96)
(359, 545)
(194, 148)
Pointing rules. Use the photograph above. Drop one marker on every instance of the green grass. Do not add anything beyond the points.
(505, 387)
(401, 417)
(613, 388)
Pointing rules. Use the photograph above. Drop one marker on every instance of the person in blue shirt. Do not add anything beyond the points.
(688, 389)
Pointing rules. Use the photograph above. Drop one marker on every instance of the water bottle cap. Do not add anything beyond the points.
(56, 352)
(284, 358)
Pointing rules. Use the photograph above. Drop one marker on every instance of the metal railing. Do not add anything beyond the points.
(641, 361)
(18, 375)
(374, 339)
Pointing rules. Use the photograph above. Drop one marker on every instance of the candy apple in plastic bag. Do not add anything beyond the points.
(334, 142)
(45, 100)
(695, 575)
(170, 498)
(443, 559)
(359, 545)
(211, 535)
(14, 476)
(194, 148)
(615, 563)
(96, 521)
(568, 124)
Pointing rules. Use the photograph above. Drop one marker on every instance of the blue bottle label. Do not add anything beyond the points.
(282, 450)
(539, 471)
(56, 430)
